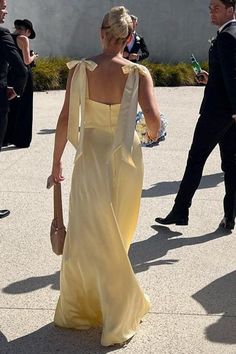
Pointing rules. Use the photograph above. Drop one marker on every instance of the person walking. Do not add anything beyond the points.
(98, 287)
(217, 121)
(9, 55)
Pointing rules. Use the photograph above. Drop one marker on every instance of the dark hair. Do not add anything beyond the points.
(229, 3)
(27, 24)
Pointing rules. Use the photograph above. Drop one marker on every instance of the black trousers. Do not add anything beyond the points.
(3, 113)
(209, 132)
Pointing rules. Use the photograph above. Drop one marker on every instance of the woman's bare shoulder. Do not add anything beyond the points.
(22, 39)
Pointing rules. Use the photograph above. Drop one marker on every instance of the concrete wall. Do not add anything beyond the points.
(173, 29)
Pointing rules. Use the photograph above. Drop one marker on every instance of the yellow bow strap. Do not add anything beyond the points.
(91, 65)
(130, 68)
(124, 136)
(77, 102)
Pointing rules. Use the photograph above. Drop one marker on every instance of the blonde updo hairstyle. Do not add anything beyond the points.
(118, 25)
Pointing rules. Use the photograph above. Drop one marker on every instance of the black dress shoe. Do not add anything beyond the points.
(173, 218)
(227, 224)
(4, 213)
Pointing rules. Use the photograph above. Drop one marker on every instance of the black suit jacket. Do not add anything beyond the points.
(9, 55)
(220, 92)
(139, 47)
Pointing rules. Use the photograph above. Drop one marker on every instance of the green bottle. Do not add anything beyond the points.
(195, 65)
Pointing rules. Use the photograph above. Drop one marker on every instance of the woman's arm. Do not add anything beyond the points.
(61, 134)
(23, 44)
(148, 103)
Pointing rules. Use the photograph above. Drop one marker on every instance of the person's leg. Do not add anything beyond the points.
(23, 116)
(228, 158)
(3, 125)
(11, 122)
(3, 114)
(208, 133)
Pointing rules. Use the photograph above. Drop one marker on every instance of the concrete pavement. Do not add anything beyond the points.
(189, 272)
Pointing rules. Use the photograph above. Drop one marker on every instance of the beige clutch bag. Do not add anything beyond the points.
(58, 230)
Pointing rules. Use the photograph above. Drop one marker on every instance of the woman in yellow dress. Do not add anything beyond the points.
(98, 287)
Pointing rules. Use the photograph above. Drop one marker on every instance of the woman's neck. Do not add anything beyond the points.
(113, 52)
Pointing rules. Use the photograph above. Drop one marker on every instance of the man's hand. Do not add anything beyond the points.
(11, 93)
(133, 56)
(202, 78)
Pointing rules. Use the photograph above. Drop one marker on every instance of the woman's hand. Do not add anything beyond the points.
(151, 136)
(57, 173)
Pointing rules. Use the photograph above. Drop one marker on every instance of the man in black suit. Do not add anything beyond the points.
(136, 50)
(9, 54)
(217, 121)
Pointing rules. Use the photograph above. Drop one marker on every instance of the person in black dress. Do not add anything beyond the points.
(20, 117)
(9, 55)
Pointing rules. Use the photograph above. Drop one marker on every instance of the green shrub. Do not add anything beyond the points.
(180, 74)
(51, 73)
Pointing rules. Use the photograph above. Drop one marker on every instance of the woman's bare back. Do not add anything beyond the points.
(107, 82)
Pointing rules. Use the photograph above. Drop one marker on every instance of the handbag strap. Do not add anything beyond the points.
(57, 200)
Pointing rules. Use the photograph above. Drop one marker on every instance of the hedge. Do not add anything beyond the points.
(51, 74)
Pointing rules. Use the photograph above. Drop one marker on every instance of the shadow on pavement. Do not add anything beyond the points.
(50, 339)
(31, 284)
(145, 254)
(166, 188)
(219, 298)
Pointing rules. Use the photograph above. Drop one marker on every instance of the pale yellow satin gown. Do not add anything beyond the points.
(98, 287)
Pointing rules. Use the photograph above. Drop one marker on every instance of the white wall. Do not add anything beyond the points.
(172, 29)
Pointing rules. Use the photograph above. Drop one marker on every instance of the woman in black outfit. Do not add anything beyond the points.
(20, 117)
